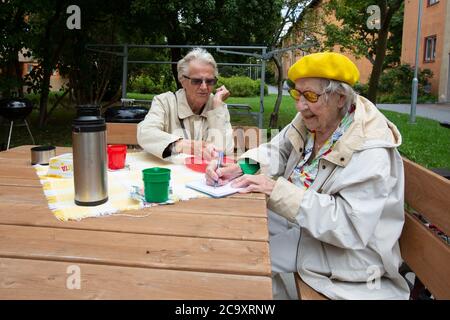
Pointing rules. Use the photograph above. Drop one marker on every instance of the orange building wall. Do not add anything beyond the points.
(433, 23)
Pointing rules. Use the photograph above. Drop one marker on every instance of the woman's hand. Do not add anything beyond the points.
(200, 149)
(254, 183)
(220, 96)
(222, 175)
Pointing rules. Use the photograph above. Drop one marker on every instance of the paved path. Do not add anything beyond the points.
(439, 112)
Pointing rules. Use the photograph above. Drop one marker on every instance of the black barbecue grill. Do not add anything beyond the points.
(127, 113)
(16, 109)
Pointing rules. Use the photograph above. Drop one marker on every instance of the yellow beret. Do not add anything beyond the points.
(329, 65)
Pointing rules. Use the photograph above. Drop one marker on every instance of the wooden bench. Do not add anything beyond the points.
(239, 106)
(427, 196)
(121, 133)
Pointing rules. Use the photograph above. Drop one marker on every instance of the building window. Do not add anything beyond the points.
(432, 2)
(430, 49)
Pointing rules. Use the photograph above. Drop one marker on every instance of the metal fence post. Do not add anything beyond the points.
(261, 95)
(125, 71)
(415, 82)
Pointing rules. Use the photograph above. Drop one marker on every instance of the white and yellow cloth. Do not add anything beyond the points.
(60, 191)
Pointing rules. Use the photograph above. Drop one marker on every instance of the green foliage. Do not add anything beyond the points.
(242, 86)
(361, 88)
(395, 85)
(230, 71)
(145, 84)
(14, 35)
(208, 22)
(355, 36)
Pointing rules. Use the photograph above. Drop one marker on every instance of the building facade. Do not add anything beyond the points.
(434, 49)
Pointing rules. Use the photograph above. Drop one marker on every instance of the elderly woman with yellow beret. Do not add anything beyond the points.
(334, 181)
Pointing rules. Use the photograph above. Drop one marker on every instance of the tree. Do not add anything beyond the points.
(14, 33)
(224, 22)
(293, 12)
(353, 33)
(55, 46)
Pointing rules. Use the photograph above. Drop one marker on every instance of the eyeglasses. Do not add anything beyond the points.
(197, 81)
(309, 95)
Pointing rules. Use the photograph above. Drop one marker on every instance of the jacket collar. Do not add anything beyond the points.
(184, 110)
(369, 129)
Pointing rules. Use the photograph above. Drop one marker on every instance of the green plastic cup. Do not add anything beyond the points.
(156, 184)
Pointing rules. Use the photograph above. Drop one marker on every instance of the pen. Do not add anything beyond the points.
(219, 163)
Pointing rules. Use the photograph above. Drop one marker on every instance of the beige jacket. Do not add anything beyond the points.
(164, 124)
(352, 216)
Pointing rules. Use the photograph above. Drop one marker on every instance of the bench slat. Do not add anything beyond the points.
(428, 193)
(139, 250)
(121, 133)
(427, 255)
(158, 222)
(43, 279)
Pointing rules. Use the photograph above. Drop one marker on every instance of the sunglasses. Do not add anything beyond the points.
(197, 81)
(309, 95)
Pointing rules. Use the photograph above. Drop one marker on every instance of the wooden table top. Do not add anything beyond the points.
(196, 249)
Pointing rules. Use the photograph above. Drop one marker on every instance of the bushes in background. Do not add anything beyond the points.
(239, 86)
(144, 84)
(396, 85)
(242, 86)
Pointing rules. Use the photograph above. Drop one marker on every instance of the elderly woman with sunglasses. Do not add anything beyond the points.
(334, 183)
(191, 120)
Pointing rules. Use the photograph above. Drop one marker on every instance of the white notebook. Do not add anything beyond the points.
(219, 192)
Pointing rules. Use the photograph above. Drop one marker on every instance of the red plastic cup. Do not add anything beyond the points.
(117, 154)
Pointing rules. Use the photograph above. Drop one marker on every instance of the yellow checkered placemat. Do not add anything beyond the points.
(121, 183)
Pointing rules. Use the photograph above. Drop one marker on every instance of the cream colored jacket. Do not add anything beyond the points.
(164, 124)
(352, 216)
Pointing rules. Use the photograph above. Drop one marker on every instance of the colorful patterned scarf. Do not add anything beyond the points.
(305, 173)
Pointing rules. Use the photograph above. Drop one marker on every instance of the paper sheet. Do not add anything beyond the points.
(218, 192)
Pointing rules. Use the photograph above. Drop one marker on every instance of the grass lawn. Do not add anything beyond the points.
(425, 142)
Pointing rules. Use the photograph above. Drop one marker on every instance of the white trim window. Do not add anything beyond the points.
(430, 49)
(431, 2)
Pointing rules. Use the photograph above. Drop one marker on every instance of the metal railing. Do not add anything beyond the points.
(260, 55)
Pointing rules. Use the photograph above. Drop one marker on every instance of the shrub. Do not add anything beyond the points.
(144, 84)
(242, 86)
(361, 89)
(397, 81)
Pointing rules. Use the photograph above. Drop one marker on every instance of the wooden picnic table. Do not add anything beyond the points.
(197, 249)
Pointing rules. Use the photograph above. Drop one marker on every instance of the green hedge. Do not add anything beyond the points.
(242, 86)
(144, 84)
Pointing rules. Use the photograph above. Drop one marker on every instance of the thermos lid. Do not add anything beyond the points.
(88, 119)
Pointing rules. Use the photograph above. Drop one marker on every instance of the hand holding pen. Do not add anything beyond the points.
(219, 164)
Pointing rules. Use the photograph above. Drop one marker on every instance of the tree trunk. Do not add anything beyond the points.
(377, 68)
(43, 101)
(274, 116)
(380, 53)
(18, 72)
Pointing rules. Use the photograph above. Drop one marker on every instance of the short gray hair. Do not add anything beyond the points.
(198, 54)
(341, 88)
